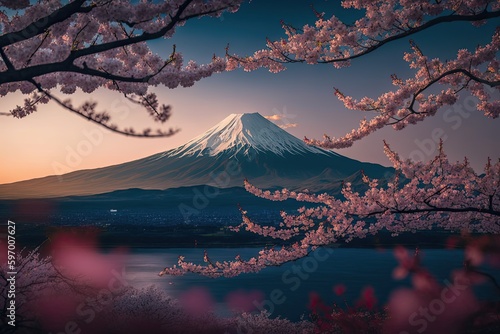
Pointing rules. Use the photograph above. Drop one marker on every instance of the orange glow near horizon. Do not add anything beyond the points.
(55, 141)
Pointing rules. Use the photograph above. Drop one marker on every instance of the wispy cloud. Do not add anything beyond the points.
(282, 118)
(275, 117)
(289, 125)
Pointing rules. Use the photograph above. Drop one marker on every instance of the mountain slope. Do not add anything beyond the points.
(241, 146)
(238, 133)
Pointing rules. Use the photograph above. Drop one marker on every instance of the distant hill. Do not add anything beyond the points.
(241, 146)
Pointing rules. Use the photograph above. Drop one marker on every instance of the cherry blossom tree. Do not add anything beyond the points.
(54, 293)
(422, 196)
(434, 195)
(332, 41)
(437, 194)
(68, 45)
(36, 281)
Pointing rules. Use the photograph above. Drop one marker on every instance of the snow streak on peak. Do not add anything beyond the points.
(238, 133)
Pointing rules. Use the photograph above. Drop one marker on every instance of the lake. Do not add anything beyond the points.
(291, 284)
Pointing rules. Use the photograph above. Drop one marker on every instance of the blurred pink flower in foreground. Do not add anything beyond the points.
(367, 299)
(339, 289)
(78, 257)
(241, 301)
(197, 301)
(429, 307)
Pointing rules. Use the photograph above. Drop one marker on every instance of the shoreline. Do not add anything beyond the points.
(189, 236)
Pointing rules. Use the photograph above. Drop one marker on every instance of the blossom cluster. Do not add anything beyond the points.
(78, 287)
(437, 194)
(86, 45)
(332, 41)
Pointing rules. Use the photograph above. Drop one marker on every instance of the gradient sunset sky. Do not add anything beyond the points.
(40, 144)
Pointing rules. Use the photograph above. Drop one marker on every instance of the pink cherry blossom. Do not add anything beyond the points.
(331, 41)
(83, 45)
(438, 194)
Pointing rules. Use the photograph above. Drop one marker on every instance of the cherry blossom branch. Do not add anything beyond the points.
(434, 209)
(67, 65)
(6, 60)
(87, 111)
(383, 22)
(286, 57)
(444, 75)
(42, 24)
(90, 47)
(266, 258)
(328, 41)
(145, 36)
(15, 4)
(397, 108)
(434, 195)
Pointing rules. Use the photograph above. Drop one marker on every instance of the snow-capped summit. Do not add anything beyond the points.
(241, 146)
(238, 133)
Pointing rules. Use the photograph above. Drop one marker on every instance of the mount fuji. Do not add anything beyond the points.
(241, 146)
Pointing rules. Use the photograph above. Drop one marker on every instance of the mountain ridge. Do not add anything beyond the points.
(240, 146)
(238, 132)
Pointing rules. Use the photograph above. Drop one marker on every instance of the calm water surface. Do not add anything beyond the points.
(293, 282)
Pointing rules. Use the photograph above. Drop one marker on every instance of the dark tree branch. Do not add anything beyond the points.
(7, 61)
(24, 74)
(100, 121)
(42, 24)
(484, 15)
(38, 47)
(145, 36)
(445, 74)
(433, 209)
